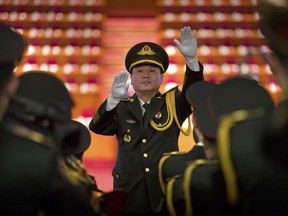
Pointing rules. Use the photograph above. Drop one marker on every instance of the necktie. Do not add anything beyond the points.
(146, 109)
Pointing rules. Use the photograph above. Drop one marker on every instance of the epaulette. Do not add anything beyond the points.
(76, 172)
(170, 90)
(34, 136)
(129, 99)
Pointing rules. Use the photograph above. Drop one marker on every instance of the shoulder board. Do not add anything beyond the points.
(34, 136)
(170, 90)
(74, 171)
(130, 99)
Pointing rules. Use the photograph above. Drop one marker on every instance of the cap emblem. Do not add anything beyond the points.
(146, 50)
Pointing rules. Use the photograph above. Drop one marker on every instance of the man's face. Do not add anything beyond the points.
(146, 78)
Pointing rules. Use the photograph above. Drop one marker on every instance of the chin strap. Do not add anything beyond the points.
(171, 112)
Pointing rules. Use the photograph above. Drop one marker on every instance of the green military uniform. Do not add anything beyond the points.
(198, 191)
(34, 180)
(31, 182)
(140, 146)
(106, 203)
(174, 163)
(272, 187)
(232, 183)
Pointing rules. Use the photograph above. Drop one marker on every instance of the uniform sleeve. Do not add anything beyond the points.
(192, 77)
(184, 109)
(104, 122)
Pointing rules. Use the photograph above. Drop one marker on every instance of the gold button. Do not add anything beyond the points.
(117, 176)
(147, 169)
(128, 130)
(144, 140)
(145, 155)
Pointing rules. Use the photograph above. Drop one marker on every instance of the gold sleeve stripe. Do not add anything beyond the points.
(95, 117)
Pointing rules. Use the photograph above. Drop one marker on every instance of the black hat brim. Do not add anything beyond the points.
(78, 140)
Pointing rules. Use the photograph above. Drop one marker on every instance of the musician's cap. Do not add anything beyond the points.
(12, 45)
(273, 24)
(81, 134)
(237, 93)
(199, 91)
(48, 94)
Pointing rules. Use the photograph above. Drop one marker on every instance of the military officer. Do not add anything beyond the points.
(174, 163)
(34, 180)
(226, 180)
(143, 137)
(109, 203)
(273, 183)
(12, 48)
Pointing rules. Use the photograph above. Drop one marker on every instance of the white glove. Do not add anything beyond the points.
(188, 47)
(119, 89)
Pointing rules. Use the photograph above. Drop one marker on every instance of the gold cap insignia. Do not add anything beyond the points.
(146, 50)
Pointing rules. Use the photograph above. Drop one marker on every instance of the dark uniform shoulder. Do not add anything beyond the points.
(31, 135)
(170, 90)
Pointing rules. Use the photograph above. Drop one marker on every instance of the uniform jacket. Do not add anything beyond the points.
(174, 163)
(31, 181)
(202, 194)
(140, 146)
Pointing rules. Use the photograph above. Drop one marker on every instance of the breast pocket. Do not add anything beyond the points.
(128, 131)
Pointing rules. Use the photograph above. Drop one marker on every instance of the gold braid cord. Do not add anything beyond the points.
(171, 112)
(169, 197)
(226, 123)
(75, 171)
(160, 172)
(186, 185)
(163, 159)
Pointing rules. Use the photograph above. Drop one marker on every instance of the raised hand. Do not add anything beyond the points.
(188, 44)
(120, 85)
